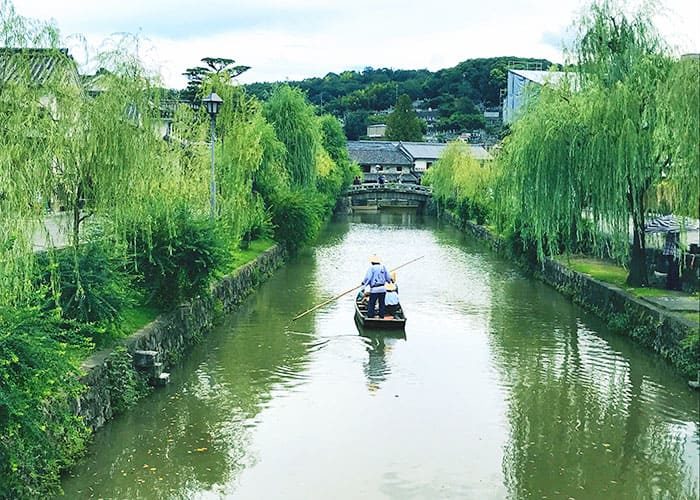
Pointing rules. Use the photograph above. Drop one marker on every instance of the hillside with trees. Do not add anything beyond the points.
(459, 94)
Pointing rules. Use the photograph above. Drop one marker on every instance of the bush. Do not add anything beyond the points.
(88, 284)
(297, 218)
(177, 256)
(123, 383)
(39, 431)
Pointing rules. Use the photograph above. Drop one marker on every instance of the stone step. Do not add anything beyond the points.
(145, 359)
(162, 380)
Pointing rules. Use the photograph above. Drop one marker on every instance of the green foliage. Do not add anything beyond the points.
(87, 283)
(335, 144)
(462, 183)
(177, 253)
(196, 75)
(596, 146)
(39, 432)
(248, 158)
(356, 124)
(296, 126)
(297, 218)
(272, 177)
(455, 92)
(677, 136)
(403, 124)
(123, 383)
(96, 155)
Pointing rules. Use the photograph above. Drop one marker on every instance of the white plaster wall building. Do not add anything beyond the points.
(521, 84)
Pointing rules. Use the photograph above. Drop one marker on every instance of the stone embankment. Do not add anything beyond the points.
(169, 336)
(664, 331)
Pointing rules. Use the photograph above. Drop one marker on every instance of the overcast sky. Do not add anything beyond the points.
(294, 39)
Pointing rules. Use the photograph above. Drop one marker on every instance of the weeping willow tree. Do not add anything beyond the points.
(461, 182)
(296, 125)
(538, 194)
(98, 157)
(249, 161)
(591, 147)
(678, 137)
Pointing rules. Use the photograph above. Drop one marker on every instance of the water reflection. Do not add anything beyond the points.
(379, 345)
(501, 388)
(581, 425)
(194, 436)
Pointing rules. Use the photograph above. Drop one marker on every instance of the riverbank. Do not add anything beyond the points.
(111, 378)
(671, 333)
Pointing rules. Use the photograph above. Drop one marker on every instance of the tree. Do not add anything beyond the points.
(403, 124)
(214, 65)
(594, 145)
(296, 125)
(356, 124)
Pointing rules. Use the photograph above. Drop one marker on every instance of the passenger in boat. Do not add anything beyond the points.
(363, 294)
(392, 297)
(376, 277)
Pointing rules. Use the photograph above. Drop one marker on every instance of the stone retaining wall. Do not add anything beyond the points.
(172, 333)
(652, 326)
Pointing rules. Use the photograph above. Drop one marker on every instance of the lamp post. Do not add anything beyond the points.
(212, 102)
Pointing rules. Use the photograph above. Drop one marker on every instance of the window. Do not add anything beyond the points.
(428, 164)
(398, 169)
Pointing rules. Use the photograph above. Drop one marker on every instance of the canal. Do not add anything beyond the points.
(500, 388)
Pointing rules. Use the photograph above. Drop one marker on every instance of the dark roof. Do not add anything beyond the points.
(424, 150)
(377, 153)
(36, 65)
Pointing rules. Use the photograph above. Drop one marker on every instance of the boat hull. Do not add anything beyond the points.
(398, 322)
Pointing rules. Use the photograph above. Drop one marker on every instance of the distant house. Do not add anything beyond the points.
(377, 158)
(99, 82)
(422, 154)
(404, 161)
(520, 84)
(491, 116)
(39, 68)
(430, 116)
(376, 131)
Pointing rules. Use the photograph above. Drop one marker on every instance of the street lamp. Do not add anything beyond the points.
(212, 103)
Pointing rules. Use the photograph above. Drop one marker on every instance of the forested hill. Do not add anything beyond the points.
(459, 94)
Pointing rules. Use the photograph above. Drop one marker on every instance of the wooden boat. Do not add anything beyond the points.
(398, 321)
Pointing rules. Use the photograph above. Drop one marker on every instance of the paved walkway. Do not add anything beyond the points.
(53, 232)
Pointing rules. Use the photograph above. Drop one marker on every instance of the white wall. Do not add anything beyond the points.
(420, 165)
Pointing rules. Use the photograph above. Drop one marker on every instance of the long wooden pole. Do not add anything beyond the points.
(351, 290)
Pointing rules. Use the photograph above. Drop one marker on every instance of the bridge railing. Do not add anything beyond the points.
(390, 186)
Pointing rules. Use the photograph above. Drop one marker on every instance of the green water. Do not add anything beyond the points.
(500, 388)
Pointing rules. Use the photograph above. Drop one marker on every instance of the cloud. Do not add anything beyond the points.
(293, 39)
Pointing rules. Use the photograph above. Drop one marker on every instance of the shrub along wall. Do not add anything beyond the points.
(674, 337)
(111, 381)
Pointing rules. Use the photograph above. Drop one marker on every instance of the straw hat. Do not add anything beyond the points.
(374, 259)
(393, 276)
(390, 287)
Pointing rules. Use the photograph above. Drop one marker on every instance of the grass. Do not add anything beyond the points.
(598, 269)
(137, 317)
(133, 319)
(609, 272)
(246, 255)
(692, 316)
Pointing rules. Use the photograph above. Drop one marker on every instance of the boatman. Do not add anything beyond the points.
(376, 277)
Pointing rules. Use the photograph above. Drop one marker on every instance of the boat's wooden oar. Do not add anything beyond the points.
(348, 291)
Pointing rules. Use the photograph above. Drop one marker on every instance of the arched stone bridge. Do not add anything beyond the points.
(393, 194)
